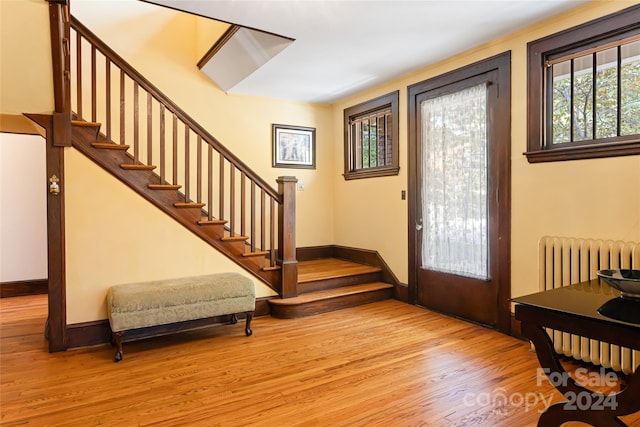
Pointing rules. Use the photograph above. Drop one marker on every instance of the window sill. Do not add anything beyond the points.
(594, 151)
(371, 173)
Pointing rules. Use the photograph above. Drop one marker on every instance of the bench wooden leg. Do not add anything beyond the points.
(117, 340)
(247, 329)
(234, 319)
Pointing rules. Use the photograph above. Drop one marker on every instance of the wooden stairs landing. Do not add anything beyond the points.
(331, 284)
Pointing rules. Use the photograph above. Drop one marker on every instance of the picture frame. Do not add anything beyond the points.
(293, 146)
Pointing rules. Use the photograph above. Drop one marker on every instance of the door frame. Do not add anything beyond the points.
(502, 64)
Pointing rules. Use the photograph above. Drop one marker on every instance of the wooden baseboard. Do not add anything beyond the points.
(99, 332)
(88, 333)
(24, 287)
(401, 292)
(516, 330)
(314, 252)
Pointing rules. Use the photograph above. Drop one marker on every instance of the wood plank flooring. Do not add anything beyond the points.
(381, 364)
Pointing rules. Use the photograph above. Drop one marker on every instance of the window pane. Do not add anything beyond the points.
(630, 84)
(373, 142)
(357, 133)
(583, 98)
(607, 93)
(454, 191)
(365, 144)
(561, 102)
(388, 139)
(381, 137)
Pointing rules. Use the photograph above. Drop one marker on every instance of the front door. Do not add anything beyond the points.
(459, 224)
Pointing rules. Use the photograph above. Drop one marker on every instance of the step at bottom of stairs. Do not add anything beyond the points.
(324, 301)
(326, 273)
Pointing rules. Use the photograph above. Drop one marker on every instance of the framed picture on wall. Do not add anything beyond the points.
(294, 147)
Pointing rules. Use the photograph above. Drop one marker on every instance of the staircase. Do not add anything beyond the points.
(131, 129)
(115, 158)
(330, 284)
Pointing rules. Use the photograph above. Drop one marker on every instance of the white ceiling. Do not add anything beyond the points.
(344, 46)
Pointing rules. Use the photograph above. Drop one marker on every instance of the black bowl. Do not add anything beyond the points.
(625, 309)
(626, 281)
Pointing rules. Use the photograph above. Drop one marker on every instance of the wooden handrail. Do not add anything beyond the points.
(171, 106)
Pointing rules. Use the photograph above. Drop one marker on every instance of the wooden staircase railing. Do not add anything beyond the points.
(139, 118)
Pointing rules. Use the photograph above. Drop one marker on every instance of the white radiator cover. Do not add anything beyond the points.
(566, 260)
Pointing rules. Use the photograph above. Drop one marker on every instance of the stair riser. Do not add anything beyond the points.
(191, 214)
(329, 305)
(216, 231)
(237, 248)
(320, 285)
(259, 261)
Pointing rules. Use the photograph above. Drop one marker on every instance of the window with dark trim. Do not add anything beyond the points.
(584, 90)
(371, 138)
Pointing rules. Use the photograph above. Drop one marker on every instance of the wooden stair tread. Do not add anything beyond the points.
(272, 268)
(85, 123)
(188, 205)
(330, 268)
(256, 254)
(110, 146)
(331, 293)
(234, 238)
(212, 222)
(165, 186)
(131, 166)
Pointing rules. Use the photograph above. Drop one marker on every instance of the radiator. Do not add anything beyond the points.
(565, 260)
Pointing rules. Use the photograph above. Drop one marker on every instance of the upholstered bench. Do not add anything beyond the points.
(146, 309)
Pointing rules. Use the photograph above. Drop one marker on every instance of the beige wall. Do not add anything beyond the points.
(114, 236)
(587, 198)
(25, 78)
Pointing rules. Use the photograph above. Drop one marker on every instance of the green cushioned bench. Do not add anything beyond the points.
(146, 309)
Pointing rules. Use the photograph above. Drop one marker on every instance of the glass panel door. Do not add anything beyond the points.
(454, 191)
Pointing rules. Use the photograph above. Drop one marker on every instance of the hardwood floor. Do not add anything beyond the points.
(385, 363)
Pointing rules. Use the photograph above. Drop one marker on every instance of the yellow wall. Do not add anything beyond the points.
(586, 198)
(25, 79)
(115, 236)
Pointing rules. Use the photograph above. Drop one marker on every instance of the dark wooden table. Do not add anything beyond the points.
(575, 309)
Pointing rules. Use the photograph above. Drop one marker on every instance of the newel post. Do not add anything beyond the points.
(61, 57)
(287, 236)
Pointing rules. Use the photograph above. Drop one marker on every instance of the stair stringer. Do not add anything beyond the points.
(138, 180)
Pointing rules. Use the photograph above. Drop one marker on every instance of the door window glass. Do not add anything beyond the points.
(454, 191)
